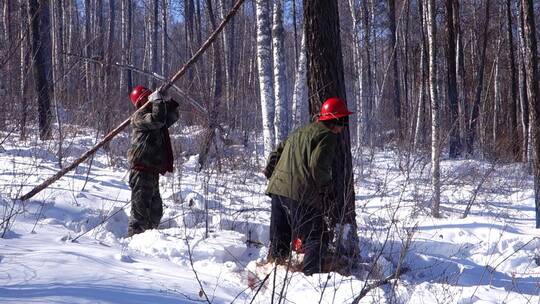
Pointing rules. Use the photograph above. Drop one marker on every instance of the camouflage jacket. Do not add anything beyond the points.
(151, 148)
(301, 166)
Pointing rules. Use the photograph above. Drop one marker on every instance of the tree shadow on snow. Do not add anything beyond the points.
(94, 293)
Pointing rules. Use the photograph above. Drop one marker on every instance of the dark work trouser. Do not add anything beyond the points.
(290, 220)
(146, 204)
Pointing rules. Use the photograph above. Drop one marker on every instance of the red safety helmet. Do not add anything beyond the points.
(139, 95)
(334, 108)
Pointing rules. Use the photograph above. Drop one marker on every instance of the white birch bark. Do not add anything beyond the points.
(358, 67)
(299, 102)
(125, 40)
(281, 123)
(164, 45)
(264, 62)
(435, 127)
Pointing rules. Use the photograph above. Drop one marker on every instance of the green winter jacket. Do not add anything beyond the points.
(151, 148)
(304, 164)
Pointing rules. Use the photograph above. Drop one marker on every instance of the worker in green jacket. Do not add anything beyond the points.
(300, 183)
(150, 155)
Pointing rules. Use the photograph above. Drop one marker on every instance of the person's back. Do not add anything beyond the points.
(304, 165)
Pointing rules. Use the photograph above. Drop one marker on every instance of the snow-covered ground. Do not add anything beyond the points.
(67, 245)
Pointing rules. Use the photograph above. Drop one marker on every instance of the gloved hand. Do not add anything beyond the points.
(270, 166)
(155, 96)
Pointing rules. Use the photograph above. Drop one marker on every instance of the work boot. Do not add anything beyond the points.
(134, 230)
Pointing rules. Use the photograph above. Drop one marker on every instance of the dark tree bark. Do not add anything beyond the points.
(455, 148)
(325, 79)
(512, 108)
(368, 100)
(479, 84)
(38, 18)
(531, 69)
(396, 99)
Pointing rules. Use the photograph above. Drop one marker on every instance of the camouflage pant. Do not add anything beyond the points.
(146, 204)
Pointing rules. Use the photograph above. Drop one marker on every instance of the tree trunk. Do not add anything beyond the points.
(164, 37)
(153, 46)
(281, 122)
(460, 71)
(213, 113)
(369, 99)
(7, 44)
(358, 69)
(23, 36)
(479, 85)
(512, 113)
(325, 79)
(455, 149)
(126, 82)
(531, 69)
(523, 99)
(435, 120)
(58, 70)
(299, 104)
(264, 62)
(87, 48)
(38, 18)
(396, 98)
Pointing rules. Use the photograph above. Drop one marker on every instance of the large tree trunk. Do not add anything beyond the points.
(531, 68)
(281, 121)
(264, 62)
(455, 148)
(435, 120)
(38, 18)
(325, 79)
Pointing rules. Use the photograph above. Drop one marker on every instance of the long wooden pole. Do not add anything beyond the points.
(126, 122)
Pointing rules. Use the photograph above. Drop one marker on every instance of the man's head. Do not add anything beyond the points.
(139, 96)
(334, 114)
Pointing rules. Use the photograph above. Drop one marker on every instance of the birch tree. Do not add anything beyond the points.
(282, 105)
(435, 119)
(299, 101)
(126, 81)
(358, 68)
(264, 63)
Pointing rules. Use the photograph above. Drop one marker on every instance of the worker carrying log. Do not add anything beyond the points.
(149, 156)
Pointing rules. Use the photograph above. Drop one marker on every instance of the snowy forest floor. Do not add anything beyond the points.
(491, 256)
